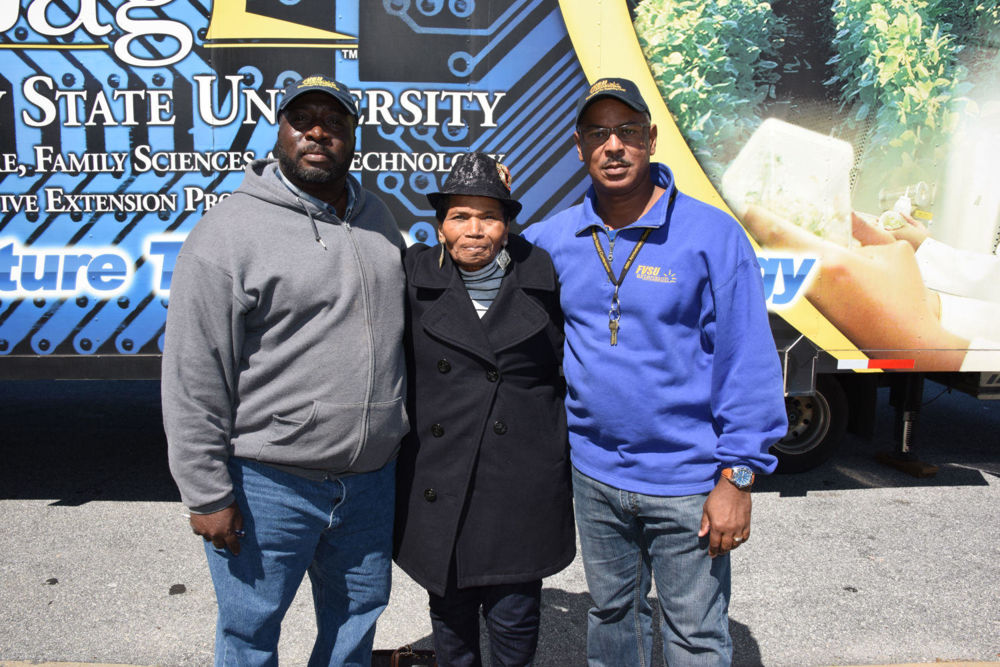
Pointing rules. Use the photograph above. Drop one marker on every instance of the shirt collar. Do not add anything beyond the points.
(661, 175)
(319, 203)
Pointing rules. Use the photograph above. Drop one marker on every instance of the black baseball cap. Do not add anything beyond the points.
(320, 84)
(621, 89)
(478, 174)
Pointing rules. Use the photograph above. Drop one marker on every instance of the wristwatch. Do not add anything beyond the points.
(740, 476)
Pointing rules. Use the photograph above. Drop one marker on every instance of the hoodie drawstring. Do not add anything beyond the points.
(312, 221)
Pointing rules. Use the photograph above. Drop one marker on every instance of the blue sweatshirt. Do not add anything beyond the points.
(694, 384)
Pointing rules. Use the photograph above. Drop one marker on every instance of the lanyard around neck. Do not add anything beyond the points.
(628, 262)
(615, 313)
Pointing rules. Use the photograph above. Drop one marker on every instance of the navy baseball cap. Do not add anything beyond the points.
(621, 89)
(320, 84)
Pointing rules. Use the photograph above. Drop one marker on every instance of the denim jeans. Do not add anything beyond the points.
(512, 613)
(339, 531)
(629, 539)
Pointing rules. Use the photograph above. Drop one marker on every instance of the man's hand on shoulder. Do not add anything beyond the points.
(725, 518)
(223, 528)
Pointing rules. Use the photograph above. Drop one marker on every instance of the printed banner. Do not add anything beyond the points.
(866, 179)
(121, 123)
(855, 140)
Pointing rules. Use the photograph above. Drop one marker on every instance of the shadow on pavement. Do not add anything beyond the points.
(956, 432)
(75, 441)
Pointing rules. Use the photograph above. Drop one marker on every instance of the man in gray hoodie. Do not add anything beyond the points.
(283, 387)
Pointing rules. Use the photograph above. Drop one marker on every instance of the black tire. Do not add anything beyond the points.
(816, 425)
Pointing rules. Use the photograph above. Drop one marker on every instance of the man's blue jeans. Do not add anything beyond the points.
(627, 539)
(339, 531)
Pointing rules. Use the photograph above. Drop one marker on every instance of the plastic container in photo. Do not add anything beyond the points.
(800, 175)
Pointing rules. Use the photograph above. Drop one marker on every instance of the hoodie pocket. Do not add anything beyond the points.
(331, 436)
(387, 424)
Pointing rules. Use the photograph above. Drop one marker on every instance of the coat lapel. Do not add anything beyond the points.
(512, 318)
(452, 317)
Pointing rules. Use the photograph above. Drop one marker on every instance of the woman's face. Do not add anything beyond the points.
(473, 231)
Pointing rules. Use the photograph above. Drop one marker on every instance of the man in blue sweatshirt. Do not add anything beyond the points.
(283, 388)
(675, 390)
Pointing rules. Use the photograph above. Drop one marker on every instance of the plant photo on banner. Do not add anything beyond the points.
(839, 128)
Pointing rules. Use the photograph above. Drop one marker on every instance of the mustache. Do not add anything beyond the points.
(616, 162)
(316, 148)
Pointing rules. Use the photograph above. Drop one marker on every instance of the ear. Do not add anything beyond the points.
(440, 234)
(579, 146)
(652, 138)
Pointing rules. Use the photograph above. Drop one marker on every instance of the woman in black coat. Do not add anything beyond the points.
(483, 507)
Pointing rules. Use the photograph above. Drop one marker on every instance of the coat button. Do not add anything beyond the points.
(499, 427)
(437, 430)
(444, 366)
(493, 375)
(430, 495)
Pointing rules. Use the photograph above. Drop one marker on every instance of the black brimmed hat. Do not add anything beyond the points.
(621, 89)
(478, 174)
(317, 83)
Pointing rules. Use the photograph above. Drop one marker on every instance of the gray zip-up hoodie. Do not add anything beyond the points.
(283, 339)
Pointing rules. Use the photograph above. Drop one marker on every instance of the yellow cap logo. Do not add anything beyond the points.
(319, 81)
(605, 86)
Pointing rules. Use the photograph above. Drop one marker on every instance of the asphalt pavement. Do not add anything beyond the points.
(849, 564)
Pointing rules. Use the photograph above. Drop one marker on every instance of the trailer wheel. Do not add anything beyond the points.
(816, 425)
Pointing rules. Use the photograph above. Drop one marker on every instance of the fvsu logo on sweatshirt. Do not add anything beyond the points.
(655, 274)
(786, 277)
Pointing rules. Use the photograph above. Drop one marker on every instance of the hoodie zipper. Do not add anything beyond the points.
(368, 321)
(371, 338)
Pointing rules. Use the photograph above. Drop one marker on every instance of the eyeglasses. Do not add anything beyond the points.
(633, 134)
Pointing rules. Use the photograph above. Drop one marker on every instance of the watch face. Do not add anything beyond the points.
(742, 476)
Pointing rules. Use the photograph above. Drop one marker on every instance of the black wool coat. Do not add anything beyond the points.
(483, 475)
